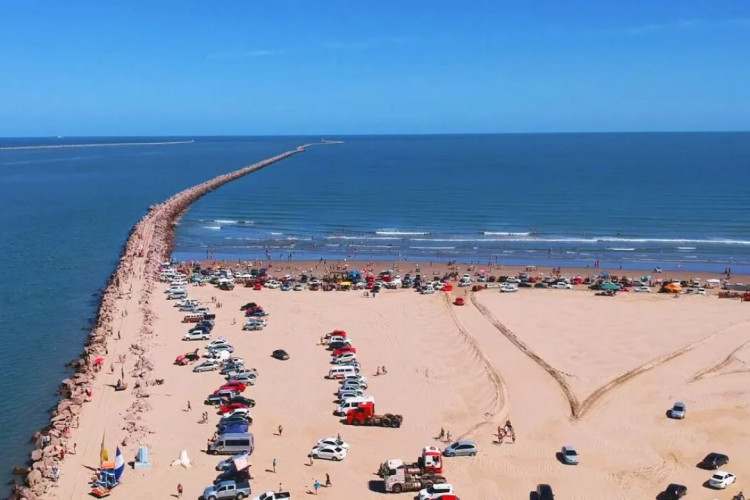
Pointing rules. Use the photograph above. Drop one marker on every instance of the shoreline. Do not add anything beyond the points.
(149, 243)
(109, 144)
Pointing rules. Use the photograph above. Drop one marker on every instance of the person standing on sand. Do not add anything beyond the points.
(316, 486)
(273, 465)
(281, 429)
(189, 407)
(179, 490)
(441, 436)
(448, 437)
(328, 481)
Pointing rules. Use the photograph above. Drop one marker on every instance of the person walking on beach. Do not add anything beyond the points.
(179, 490)
(310, 456)
(273, 466)
(328, 481)
(189, 407)
(281, 429)
(316, 485)
(448, 436)
(441, 436)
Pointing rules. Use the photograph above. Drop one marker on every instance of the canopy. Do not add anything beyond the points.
(673, 287)
(609, 286)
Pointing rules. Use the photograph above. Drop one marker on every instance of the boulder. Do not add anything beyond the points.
(34, 477)
(36, 455)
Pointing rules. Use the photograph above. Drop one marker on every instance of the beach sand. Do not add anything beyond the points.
(451, 367)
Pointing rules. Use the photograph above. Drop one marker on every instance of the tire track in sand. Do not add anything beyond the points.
(499, 403)
(579, 409)
(720, 365)
(520, 345)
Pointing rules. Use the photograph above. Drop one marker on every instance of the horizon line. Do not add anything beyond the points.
(413, 134)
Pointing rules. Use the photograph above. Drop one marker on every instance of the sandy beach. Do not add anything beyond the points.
(448, 367)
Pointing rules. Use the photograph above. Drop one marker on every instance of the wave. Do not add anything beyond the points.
(388, 232)
(231, 222)
(433, 248)
(620, 249)
(215, 228)
(501, 233)
(685, 248)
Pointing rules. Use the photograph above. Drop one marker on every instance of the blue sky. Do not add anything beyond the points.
(358, 67)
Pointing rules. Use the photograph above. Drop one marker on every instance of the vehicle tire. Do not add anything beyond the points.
(240, 496)
(450, 455)
(336, 459)
(474, 454)
(386, 422)
(427, 484)
(397, 488)
(211, 498)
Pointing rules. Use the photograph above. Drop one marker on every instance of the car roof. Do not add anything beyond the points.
(721, 473)
(569, 448)
(465, 442)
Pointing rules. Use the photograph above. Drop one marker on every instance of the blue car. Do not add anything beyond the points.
(235, 428)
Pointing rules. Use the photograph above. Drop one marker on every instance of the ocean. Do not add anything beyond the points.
(631, 200)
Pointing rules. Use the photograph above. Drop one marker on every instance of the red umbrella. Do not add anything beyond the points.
(98, 361)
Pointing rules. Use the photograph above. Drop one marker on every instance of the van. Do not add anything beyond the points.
(352, 403)
(232, 444)
(192, 318)
(177, 294)
(338, 372)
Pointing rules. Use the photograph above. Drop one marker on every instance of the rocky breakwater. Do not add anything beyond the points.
(149, 244)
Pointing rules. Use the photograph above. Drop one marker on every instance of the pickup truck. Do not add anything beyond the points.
(227, 489)
(272, 495)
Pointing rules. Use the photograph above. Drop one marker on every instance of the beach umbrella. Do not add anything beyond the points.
(98, 361)
(609, 286)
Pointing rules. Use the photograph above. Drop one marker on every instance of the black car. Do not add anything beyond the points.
(337, 345)
(280, 354)
(713, 461)
(234, 419)
(675, 492)
(243, 400)
(249, 305)
(541, 285)
(544, 492)
(525, 284)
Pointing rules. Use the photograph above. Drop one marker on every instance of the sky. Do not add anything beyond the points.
(282, 67)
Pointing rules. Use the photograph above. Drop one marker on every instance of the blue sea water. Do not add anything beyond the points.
(630, 200)
(636, 200)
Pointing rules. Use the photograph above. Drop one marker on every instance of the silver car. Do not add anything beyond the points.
(569, 455)
(678, 410)
(461, 448)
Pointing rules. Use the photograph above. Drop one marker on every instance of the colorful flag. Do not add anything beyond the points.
(103, 453)
(119, 465)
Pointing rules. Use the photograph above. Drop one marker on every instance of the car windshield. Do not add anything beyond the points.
(718, 477)
(572, 452)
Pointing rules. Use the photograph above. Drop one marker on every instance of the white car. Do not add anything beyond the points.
(247, 378)
(508, 289)
(216, 343)
(701, 291)
(335, 453)
(721, 479)
(245, 412)
(438, 285)
(359, 379)
(562, 286)
(435, 491)
(347, 356)
(350, 392)
(427, 290)
(272, 284)
(642, 289)
(332, 442)
(197, 335)
(343, 340)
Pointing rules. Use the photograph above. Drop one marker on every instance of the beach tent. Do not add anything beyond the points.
(673, 288)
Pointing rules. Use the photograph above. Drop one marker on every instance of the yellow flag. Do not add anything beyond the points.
(104, 454)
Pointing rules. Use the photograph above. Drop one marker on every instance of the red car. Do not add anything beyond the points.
(231, 407)
(336, 333)
(459, 301)
(233, 386)
(344, 350)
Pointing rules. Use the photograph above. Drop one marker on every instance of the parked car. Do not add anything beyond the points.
(332, 441)
(642, 289)
(544, 492)
(562, 286)
(678, 410)
(207, 366)
(231, 369)
(241, 399)
(196, 335)
(227, 490)
(713, 461)
(569, 455)
(675, 492)
(253, 326)
(350, 393)
(217, 343)
(246, 377)
(355, 378)
(273, 495)
(348, 356)
(435, 491)
(234, 385)
(461, 448)
(280, 354)
(335, 453)
(721, 479)
(229, 462)
(221, 348)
